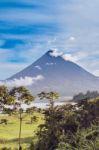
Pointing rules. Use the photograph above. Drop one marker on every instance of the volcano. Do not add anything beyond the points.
(59, 75)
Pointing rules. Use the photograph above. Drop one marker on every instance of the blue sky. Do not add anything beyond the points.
(29, 28)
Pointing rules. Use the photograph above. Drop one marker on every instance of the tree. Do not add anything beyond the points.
(51, 96)
(31, 111)
(74, 127)
(47, 130)
(5, 98)
(23, 96)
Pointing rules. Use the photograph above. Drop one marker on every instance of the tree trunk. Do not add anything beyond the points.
(20, 129)
(52, 103)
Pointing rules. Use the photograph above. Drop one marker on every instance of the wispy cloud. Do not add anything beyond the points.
(26, 81)
(37, 26)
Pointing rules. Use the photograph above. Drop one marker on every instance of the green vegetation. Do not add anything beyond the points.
(15, 119)
(9, 133)
(87, 95)
(22, 96)
(68, 127)
(51, 96)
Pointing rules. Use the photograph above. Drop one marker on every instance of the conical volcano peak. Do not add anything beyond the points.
(50, 51)
(53, 50)
(54, 53)
(56, 71)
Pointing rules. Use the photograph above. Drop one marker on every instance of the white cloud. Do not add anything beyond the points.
(55, 53)
(69, 57)
(26, 81)
(75, 57)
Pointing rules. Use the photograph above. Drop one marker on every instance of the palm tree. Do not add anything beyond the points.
(23, 96)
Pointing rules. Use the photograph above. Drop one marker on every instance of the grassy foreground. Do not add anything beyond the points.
(9, 132)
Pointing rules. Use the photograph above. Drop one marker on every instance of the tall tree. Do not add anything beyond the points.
(5, 98)
(48, 130)
(23, 96)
